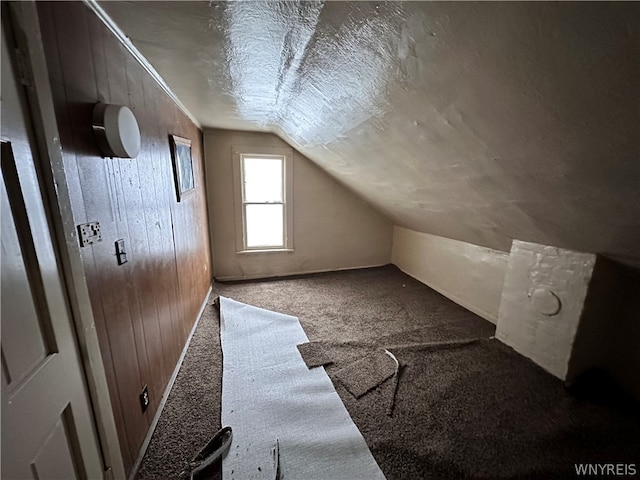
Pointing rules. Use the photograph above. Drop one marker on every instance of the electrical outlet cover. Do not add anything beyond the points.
(144, 398)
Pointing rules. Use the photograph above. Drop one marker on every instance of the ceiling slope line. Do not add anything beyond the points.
(140, 58)
(290, 70)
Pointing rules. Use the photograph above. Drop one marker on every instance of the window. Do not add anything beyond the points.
(263, 213)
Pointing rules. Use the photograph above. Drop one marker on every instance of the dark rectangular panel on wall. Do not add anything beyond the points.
(145, 308)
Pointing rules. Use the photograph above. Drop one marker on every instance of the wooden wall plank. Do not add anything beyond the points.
(162, 165)
(145, 308)
(144, 219)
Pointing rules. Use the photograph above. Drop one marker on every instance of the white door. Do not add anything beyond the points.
(48, 431)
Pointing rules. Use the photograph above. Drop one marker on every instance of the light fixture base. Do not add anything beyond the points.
(116, 130)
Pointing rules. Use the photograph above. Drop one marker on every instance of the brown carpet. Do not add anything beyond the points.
(314, 354)
(364, 375)
(465, 408)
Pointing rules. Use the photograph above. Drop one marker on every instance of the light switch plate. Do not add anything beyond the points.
(89, 233)
(121, 253)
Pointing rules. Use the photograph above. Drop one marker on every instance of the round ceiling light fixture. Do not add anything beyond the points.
(116, 130)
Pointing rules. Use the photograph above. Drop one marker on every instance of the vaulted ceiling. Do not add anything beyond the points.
(481, 122)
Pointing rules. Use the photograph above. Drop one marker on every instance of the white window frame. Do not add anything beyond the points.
(238, 153)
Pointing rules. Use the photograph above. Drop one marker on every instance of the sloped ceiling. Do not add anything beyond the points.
(481, 122)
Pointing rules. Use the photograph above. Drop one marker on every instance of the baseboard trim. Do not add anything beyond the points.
(165, 395)
(235, 278)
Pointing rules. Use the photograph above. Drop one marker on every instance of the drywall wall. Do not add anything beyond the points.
(622, 359)
(599, 320)
(478, 121)
(332, 228)
(608, 337)
(145, 308)
(467, 274)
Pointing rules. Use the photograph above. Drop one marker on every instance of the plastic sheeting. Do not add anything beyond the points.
(269, 395)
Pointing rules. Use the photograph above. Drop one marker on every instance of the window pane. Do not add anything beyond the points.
(262, 179)
(265, 227)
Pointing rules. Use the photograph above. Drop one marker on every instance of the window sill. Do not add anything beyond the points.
(266, 250)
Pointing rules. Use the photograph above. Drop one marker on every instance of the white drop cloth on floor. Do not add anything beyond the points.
(268, 393)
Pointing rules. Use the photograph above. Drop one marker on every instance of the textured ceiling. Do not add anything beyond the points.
(481, 122)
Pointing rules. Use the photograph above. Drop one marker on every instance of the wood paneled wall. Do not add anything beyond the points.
(145, 308)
